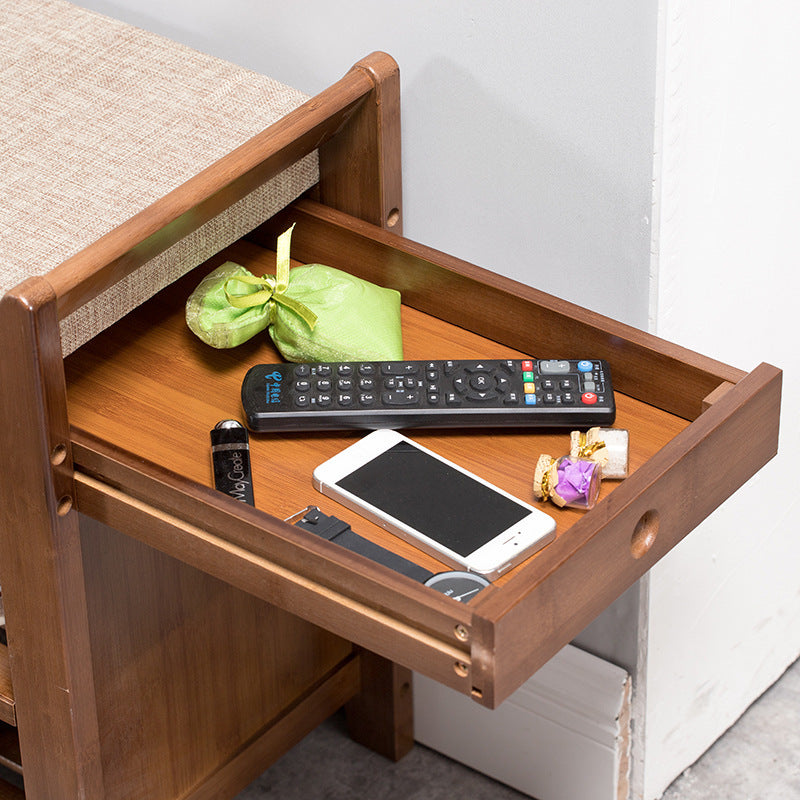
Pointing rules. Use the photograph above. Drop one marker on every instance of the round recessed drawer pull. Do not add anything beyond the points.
(644, 534)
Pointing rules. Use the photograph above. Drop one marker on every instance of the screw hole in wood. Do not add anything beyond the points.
(64, 506)
(462, 670)
(58, 455)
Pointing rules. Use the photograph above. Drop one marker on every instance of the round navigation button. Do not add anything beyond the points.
(481, 381)
(589, 398)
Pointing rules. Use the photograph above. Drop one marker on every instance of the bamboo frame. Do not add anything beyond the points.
(485, 649)
(356, 121)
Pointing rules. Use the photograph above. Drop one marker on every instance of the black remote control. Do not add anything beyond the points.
(429, 394)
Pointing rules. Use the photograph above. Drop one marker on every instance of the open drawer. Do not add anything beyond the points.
(143, 396)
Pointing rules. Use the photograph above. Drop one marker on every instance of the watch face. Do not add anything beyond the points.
(461, 586)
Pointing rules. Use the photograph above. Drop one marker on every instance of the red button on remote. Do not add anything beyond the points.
(589, 398)
(527, 366)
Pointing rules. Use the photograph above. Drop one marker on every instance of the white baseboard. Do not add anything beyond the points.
(565, 734)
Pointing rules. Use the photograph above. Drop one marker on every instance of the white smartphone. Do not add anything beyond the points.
(434, 504)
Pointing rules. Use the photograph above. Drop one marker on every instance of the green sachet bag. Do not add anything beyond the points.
(314, 312)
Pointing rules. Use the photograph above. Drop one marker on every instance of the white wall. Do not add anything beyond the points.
(527, 127)
(724, 606)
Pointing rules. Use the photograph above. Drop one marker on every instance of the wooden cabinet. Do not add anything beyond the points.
(167, 641)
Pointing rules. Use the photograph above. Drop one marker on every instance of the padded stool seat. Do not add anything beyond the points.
(99, 119)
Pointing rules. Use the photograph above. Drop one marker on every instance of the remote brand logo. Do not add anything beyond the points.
(273, 386)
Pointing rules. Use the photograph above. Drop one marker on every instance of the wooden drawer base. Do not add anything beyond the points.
(141, 453)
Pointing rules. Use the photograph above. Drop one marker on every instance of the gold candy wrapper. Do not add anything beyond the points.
(605, 446)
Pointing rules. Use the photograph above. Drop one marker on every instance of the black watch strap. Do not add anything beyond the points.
(335, 530)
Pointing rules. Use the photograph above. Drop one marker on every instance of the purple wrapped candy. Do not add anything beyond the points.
(567, 481)
(577, 480)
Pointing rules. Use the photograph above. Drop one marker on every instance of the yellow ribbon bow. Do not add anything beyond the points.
(587, 449)
(272, 290)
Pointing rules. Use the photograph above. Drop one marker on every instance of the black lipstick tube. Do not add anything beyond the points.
(230, 452)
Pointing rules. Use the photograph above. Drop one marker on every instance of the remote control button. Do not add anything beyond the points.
(549, 398)
(433, 398)
(345, 384)
(366, 369)
(527, 365)
(530, 399)
(546, 385)
(399, 368)
(588, 398)
(400, 398)
(553, 367)
(527, 376)
(502, 383)
(324, 385)
(432, 374)
(481, 381)
(509, 366)
(367, 399)
(302, 386)
(302, 400)
(324, 371)
(452, 399)
(302, 370)
(589, 386)
(481, 397)
(585, 366)
(512, 399)
(566, 385)
(568, 398)
(324, 400)
(450, 367)
(460, 384)
(366, 384)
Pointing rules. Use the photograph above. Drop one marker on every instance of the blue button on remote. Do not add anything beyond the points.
(585, 366)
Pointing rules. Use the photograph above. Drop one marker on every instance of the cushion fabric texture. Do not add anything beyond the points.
(99, 119)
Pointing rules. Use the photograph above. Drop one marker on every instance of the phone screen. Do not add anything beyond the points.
(440, 502)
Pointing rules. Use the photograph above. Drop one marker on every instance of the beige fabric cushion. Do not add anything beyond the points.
(98, 119)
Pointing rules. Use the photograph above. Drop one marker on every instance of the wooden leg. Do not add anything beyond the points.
(40, 556)
(381, 716)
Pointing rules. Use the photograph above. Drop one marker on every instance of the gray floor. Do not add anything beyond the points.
(758, 759)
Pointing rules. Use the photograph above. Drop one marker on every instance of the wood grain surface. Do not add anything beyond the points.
(144, 396)
(151, 388)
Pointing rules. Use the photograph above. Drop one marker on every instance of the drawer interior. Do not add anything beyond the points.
(151, 388)
(144, 395)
